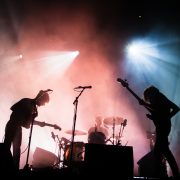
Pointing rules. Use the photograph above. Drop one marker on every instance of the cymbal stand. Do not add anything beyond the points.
(57, 141)
(123, 124)
(113, 133)
(61, 147)
(113, 130)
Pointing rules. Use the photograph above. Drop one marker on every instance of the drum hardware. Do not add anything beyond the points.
(123, 124)
(115, 140)
(62, 144)
(65, 141)
(77, 153)
(113, 121)
(76, 132)
(64, 153)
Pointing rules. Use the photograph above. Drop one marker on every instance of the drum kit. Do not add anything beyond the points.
(78, 148)
(115, 121)
(95, 137)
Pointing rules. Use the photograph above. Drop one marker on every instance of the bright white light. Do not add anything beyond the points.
(141, 55)
(143, 47)
(135, 49)
(147, 57)
(58, 62)
(20, 56)
(140, 51)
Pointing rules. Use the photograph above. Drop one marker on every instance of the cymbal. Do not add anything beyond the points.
(76, 132)
(113, 120)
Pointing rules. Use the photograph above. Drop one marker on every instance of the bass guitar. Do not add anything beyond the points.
(125, 84)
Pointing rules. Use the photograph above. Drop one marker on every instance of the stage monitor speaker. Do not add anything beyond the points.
(149, 166)
(44, 159)
(6, 159)
(109, 160)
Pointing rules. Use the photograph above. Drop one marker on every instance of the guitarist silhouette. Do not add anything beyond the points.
(23, 114)
(161, 111)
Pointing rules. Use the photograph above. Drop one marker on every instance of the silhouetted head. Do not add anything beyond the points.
(42, 98)
(99, 120)
(150, 93)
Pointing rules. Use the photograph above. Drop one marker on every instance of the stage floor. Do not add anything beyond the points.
(73, 173)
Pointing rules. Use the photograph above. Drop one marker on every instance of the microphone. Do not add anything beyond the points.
(53, 135)
(83, 87)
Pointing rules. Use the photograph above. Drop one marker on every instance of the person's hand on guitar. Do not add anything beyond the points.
(141, 102)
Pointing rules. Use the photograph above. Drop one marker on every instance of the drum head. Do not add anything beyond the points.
(77, 155)
(97, 138)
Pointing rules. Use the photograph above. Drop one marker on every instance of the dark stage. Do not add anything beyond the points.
(100, 161)
(75, 173)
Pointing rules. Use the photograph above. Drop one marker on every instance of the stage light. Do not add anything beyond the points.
(20, 56)
(141, 52)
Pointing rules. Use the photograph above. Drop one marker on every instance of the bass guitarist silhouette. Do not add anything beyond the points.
(161, 111)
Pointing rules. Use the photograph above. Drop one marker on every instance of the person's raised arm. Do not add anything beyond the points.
(174, 109)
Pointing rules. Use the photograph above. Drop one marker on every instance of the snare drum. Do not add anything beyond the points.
(97, 138)
(78, 152)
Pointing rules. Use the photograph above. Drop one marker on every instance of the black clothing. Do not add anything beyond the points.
(162, 109)
(23, 112)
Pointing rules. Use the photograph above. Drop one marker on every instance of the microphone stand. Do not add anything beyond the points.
(26, 167)
(74, 124)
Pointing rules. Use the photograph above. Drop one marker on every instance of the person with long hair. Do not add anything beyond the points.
(161, 111)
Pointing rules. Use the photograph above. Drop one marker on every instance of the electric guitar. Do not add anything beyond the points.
(42, 124)
(125, 84)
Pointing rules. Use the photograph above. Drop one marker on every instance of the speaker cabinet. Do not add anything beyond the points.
(44, 159)
(6, 159)
(109, 160)
(149, 166)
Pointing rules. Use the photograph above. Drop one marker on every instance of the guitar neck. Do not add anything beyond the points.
(125, 84)
(138, 98)
(47, 124)
(42, 124)
(53, 125)
(134, 94)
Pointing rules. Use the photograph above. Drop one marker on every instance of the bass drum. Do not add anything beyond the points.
(97, 138)
(77, 155)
